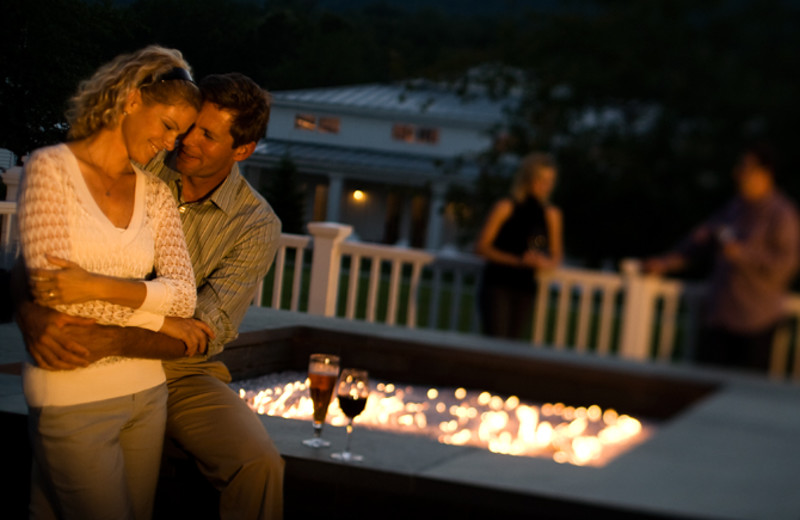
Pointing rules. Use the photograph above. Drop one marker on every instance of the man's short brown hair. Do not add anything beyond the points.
(249, 103)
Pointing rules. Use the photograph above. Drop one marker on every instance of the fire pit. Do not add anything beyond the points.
(408, 359)
(404, 475)
(502, 424)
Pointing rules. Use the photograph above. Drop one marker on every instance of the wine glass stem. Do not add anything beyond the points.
(347, 441)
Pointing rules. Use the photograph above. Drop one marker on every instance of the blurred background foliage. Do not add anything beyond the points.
(645, 103)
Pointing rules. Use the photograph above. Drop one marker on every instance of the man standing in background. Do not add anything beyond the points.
(755, 242)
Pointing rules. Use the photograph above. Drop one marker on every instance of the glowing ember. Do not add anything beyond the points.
(575, 435)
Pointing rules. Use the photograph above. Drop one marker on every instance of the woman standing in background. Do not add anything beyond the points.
(521, 236)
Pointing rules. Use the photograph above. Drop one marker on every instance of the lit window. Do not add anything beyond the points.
(329, 125)
(305, 121)
(428, 135)
(402, 132)
(414, 134)
(310, 122)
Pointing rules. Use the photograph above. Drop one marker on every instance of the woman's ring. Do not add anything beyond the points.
(51, 294)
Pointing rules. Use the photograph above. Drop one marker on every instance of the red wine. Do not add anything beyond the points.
(352, 406)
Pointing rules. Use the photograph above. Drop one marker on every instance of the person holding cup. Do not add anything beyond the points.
(521, 236)
(754, 245)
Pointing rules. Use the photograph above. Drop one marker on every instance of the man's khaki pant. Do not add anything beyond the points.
(228, 441)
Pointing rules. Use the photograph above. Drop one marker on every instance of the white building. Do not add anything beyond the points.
(380, 157)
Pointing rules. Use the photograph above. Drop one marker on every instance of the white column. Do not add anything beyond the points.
(11, 179)
(335, 187)
(433, 235)
(325, 263)
(404, 231)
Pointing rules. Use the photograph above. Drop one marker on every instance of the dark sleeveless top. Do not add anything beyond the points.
(525, 228)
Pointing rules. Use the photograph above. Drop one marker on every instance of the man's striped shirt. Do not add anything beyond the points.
(232, 236)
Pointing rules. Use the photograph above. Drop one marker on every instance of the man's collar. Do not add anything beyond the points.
(223, 196)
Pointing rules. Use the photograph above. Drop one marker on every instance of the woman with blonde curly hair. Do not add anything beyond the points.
(521, 236)
(102, 240)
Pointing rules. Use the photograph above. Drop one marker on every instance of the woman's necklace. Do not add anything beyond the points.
(108, 188)
(102, 176)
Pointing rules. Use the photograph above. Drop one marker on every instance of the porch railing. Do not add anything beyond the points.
(623, 313)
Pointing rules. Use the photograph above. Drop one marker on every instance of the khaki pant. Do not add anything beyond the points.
(97, 460)
(228, 441)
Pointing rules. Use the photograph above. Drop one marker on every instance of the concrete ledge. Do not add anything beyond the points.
(726, 447)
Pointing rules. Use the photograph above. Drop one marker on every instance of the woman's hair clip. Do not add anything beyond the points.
(176, 73)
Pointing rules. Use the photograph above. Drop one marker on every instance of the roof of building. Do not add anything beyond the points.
(398, 168)
(418, 98)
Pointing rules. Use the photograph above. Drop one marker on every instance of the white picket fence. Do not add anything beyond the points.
(623, 313)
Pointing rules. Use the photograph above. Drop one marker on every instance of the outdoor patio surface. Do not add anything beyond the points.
(734, 453)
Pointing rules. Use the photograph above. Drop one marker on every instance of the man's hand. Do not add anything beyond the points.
(732, 250)
(50, 339)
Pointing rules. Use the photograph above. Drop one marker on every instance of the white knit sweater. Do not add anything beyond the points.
(59, 216)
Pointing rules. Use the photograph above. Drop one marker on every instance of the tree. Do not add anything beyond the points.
(646, 105)
(286, 196)
(43, 59)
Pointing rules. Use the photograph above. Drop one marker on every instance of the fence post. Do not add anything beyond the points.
(637, 312)
(11, 178)
(325, 265)
(8, 207)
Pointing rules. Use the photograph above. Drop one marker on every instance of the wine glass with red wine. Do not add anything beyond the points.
(352, 391)
(323, 369)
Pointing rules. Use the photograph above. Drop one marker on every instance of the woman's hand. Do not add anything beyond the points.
(536, 260)
(193, 332)
(69, 284)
